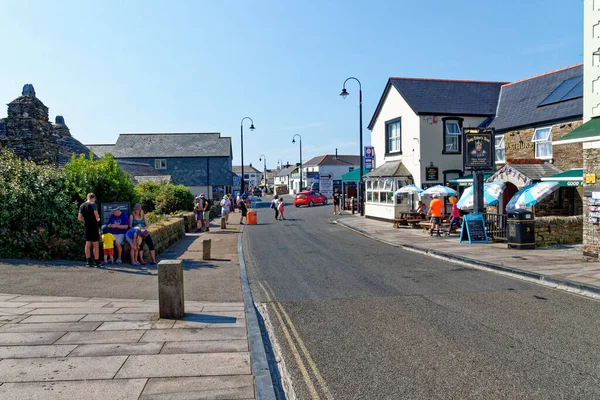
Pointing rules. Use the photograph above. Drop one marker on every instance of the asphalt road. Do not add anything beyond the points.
(358, 319)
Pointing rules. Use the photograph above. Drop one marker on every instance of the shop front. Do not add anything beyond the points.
(380, 186)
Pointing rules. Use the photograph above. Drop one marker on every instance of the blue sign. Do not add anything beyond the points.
(237, 181)
(473, 229)
(236, 193)
(316, 176)
(369, 157)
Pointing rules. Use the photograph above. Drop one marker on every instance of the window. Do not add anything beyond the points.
(452, 135)
(543, 143)
(393, 135)
(500, 149)
(380, 191)
(160, 164)
(568, 90)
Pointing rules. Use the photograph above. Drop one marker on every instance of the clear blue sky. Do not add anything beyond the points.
(124, 66)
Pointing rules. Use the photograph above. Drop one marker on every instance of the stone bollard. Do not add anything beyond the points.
(223, 223)
(170, 289)
(206, 245)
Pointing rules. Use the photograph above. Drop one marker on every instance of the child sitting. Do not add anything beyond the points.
(108, 244)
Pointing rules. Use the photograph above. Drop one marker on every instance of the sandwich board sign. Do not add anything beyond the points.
(473, 229)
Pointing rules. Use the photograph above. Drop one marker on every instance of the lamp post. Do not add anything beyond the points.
(242, 139)
(345, 94)
(294, 141)
(265, 169)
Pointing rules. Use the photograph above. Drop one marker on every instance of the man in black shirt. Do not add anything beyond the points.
(337, 198)
(88, 213)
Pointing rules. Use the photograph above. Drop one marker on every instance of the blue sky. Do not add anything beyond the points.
(125, 66)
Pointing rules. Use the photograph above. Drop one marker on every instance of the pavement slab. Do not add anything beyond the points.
(51, 326)
(206, 346)
(116, 349)
(183, 335)
(17, 339)
(51, 318)
(47, 299)
(35, 351)
(130, 325)
(64, 304)
(15, 311)
(178, 365)
(60, 369)
(13, 319)
(120, 317)
(121, 389)
(97, 337)
(81, 310)
(12, 304)
(212, 387)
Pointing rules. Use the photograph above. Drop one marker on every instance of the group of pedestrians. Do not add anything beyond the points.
(119, 228)
(278, 205)
(202, 212)
(436, 212)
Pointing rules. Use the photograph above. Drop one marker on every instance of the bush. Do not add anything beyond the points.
(102, 177)
(173, 198)
(146, 192)
(37, 218)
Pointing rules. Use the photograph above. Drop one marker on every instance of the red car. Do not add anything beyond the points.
(309, 198)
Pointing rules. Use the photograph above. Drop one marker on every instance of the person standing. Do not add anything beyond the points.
(88, 213)
(118, 224)
(337, 198)
(108, 245)
(455, 214)
(281, 209)
(225, 208)
(231, 204)
(243, 210)
(147, 239)
(274, 205)
(436, 211)
(198, 214)
(205, 212)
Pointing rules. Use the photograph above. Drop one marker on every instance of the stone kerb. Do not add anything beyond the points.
(554, 230)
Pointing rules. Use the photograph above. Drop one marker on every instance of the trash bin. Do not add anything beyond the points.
(521, 230)
(252, 218)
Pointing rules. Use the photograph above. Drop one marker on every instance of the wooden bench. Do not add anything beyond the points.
(399, 221)
(415, 223)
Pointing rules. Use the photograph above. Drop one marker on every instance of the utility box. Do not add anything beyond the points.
(521, 230)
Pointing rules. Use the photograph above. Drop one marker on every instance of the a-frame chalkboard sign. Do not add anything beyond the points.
(473, 229)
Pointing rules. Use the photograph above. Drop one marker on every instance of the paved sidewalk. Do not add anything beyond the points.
(59, 347)
(561, 266)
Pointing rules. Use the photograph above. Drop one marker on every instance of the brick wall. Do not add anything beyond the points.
(550, 231)
(591, 165)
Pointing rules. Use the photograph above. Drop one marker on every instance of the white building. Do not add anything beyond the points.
(327, 171)
(252, 176)
(416, 131)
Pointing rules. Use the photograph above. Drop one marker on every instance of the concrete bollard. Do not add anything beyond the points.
(223, 223)
(170, 289)
(206, 245)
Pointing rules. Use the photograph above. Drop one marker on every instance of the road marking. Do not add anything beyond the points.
(293, 348)
(311, 363)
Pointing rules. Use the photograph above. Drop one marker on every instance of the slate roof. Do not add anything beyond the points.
(100, 149)
(389, 169)
(287, 171)
(166, 145)
(237, 169)
(140, 171)
(331, 160)
(67, 146)
(519, 101)
(444, 97)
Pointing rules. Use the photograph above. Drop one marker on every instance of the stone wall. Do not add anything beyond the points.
(559, 203)
(550, 231)
(591, 245)
(164, 234)
(189, 220)
(519, 146)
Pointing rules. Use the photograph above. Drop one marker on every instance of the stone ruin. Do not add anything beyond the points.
(28, 131)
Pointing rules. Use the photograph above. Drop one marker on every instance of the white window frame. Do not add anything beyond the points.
(450, 134)
(542, 139)
(160, 163)
(500, 145)
(381, 190)
(397, 139)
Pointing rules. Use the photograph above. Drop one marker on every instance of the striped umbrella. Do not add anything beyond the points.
(409, 189)
(439, 190)
(532, 194)
(491, 195)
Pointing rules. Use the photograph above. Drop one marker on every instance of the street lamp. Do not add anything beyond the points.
(294, 141)
(345, 94)
(242, 138)
(265, 169)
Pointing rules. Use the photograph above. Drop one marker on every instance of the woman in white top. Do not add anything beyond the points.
(226, 208)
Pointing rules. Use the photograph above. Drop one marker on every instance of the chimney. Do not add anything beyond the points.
(336, 157)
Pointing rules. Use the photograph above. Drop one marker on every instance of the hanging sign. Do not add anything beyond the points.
(432, 173)
(369, 157)
(473, 229)
(479, 148)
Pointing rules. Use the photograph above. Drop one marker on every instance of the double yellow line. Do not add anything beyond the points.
(282, 316)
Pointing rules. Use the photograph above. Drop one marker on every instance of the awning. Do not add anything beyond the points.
(352, 175)
(467, 180)
(570, 178)
(522, 175)
(391, 169)
(588, 132)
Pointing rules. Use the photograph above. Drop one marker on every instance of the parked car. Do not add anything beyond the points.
(257, 192)
(309, 198)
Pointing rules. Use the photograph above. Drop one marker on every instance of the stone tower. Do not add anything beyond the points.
(27, 130)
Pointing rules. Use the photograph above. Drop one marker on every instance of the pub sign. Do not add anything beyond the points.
(432, 173)
(479, 148)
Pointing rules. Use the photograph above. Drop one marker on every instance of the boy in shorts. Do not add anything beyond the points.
(108, 245)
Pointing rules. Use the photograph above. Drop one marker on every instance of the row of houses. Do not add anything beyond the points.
(416, 132)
